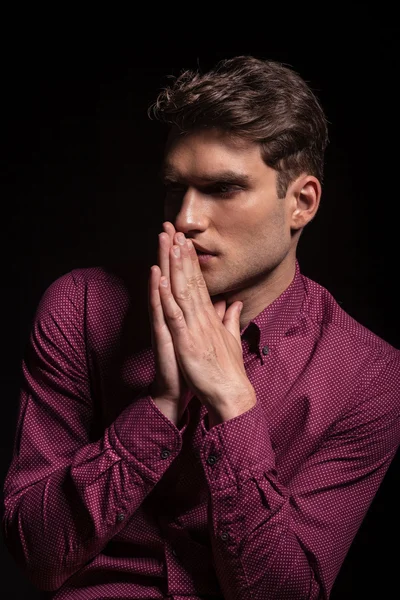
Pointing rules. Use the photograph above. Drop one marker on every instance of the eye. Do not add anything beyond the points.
(175, 190)
(226, 190)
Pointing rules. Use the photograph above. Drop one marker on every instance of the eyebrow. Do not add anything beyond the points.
(169, 174)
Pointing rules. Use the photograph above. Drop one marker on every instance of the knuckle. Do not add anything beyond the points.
(191, 282)
(155, 303)
(159, 328)
(210, 354)
(200, 282)
(177, 316)
(192, 349)
(184, 295)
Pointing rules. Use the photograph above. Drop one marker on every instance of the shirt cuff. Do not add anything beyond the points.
(233, 450)
(143, 434)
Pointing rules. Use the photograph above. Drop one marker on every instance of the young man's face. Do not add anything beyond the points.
(223, 196)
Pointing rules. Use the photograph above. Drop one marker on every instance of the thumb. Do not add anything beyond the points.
(220, 308)
(232, 320)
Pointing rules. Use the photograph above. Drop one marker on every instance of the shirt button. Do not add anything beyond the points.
(120, 517)
(224, 536)
(174, 552)
(212, 459)
(165, 454)
(265, 350)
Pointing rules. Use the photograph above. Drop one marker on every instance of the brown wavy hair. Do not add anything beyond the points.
(262, 101)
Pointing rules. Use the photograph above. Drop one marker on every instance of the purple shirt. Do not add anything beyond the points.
(105, 498)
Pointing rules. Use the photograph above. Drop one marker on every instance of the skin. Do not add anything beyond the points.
(195, 320)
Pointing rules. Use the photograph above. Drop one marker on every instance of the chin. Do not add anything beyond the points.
(219, 290)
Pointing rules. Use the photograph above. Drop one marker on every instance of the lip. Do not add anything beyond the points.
(204, 258)
(201, 249)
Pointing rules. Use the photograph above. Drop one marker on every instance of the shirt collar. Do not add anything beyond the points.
(279, 316)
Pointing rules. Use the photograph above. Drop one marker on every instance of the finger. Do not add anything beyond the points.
(180, 240)
(170, 229)
(188, 272)
(182, 293)
(166, 241)
(156, 314)
(164, 246)
(231, 321)
(220, 308)
(201, 284)
(173, 314)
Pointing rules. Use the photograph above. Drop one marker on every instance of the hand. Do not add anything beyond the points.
(169, 390)
(207, 346)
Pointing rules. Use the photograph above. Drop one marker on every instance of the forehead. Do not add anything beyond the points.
(204, 152)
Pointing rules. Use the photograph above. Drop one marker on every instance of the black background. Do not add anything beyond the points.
(79, 180)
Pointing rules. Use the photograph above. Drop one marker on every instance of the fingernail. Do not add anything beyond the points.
(181, 238)
(177, 251)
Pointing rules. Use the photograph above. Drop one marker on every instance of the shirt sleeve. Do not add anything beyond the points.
(277, 541)
(65, 495)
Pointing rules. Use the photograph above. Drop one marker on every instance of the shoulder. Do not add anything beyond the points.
(371, 360)
(326, 313)
(97, 303)
(95, 286)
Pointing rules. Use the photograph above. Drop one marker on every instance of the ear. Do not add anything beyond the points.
(305, 194)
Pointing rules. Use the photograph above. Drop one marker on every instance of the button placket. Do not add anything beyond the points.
(265, 351)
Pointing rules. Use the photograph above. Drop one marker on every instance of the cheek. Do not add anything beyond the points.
(246, 224)
(265, 234)
(240, 215)
(252, 222)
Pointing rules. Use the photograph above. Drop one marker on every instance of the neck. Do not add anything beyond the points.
(257, 297)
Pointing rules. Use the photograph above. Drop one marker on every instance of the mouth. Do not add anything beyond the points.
(201, 250)
(203, 257)
(203, 254)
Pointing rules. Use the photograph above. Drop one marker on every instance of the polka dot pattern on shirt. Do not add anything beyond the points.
(107, 498)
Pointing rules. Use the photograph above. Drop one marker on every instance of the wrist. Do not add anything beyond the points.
(232, 407)
(168, 409)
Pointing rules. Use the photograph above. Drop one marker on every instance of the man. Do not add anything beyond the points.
(236, 454)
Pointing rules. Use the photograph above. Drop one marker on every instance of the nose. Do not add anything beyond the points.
(188, 212)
